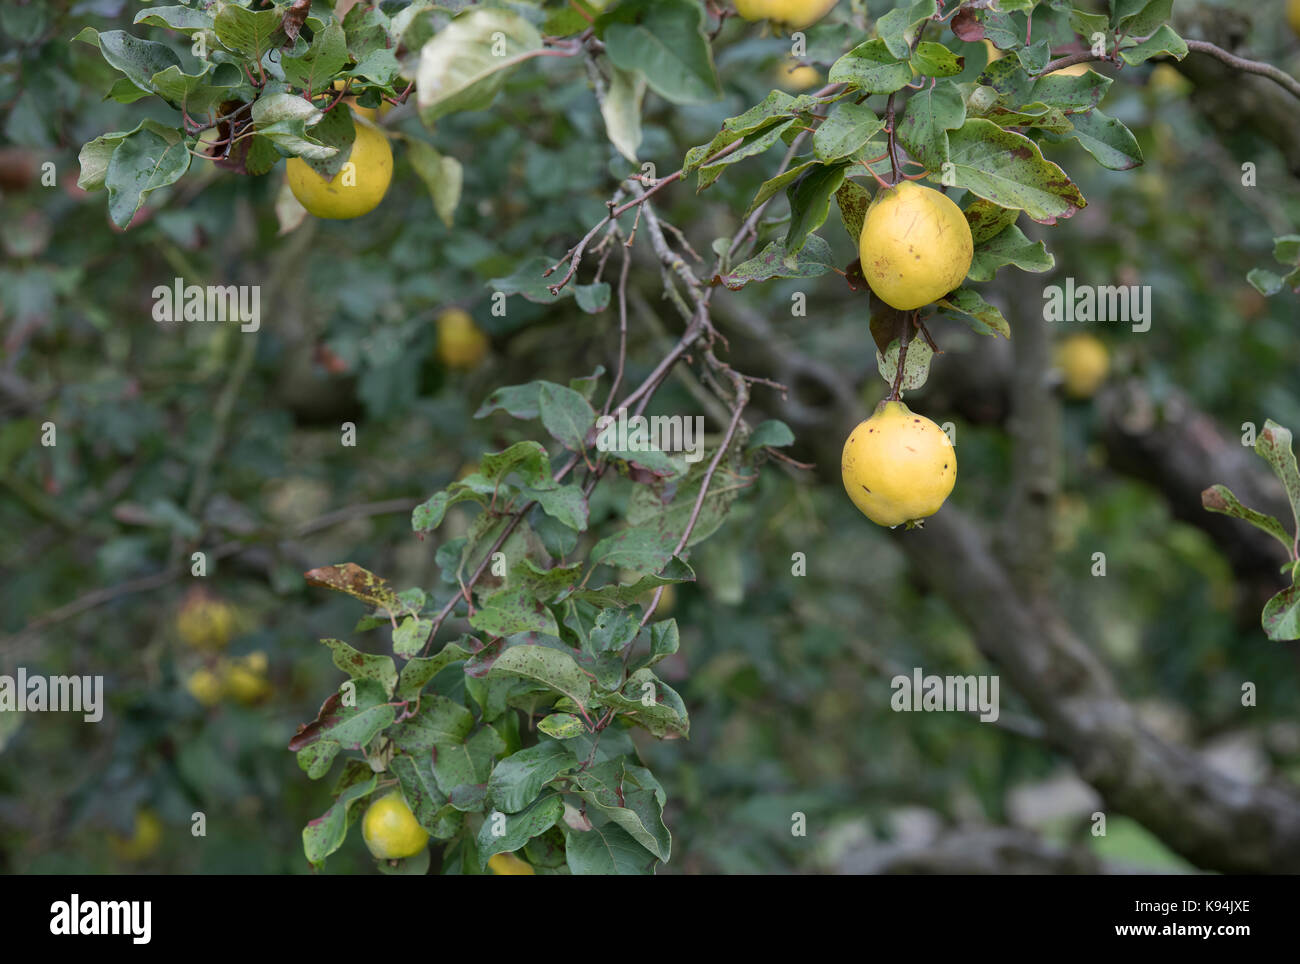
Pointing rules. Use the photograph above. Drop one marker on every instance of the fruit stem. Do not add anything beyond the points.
(896, 390)
(894, 164)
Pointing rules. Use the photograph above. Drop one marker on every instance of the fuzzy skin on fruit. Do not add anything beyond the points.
(346, 196)
(898, 466)
(915, 245)
(794, 14)
(508, 865)
(1084, 363)
(461, 344)
(390, 830)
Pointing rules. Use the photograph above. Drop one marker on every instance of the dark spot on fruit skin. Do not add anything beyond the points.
(865, 489)
(945, 465)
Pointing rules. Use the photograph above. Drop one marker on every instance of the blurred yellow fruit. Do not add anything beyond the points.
(147, 835)
(1293, 15)
(357, 188)
(898, 466)
(915, 246)
(246, 684)
(205, 686)
(794, 14)
(508, 865)
(1168, 81)
(460, 342)
(791, 75)
(390, 830)
(256, 662)
(205, 622)
(1084, 363)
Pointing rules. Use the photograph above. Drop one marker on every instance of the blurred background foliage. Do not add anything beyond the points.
(786, 678)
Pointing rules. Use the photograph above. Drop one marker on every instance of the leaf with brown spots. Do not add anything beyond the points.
(356, 582)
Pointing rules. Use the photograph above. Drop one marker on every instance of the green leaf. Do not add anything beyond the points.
(899, 27)
(665, 42)
(518, 779)
(1281, 616)
(987, 220)
(648, 701)
(439, 722)
(150, 157)
(315, 69)
(848, 127)
(352, 717)
(521, 401)
(317, 759)
(361, 665)
(546, 666)
(774, 108)
(970, 304)
(1107, 140)
(417, 672)
(1008, 169)
(813, 260)
(1274, 444)
(1220, 499)
(674, 572)
(634, 548)
(566, 415)
(519, 828)
(606, 849)
(1266, 282)
(248, 32)
(614, 790)
(936, 60)
(527, 458)
(870, 67)
(513, 610)
(1152, 14)
(562, 726)
(853, 200)
(462, 66)
(284, 119)
(1163, 43)
(621, 110)
(1069, 93)
(1009, 246)
(566, 504)
(94, 158)
(752, 145)
(810, 203)
(425, 798)
(324, 835)
(183, 19)
(467, 764)
(916, 367)
(929, 115)
(772, 433)
(411, 634)
(138, 59)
